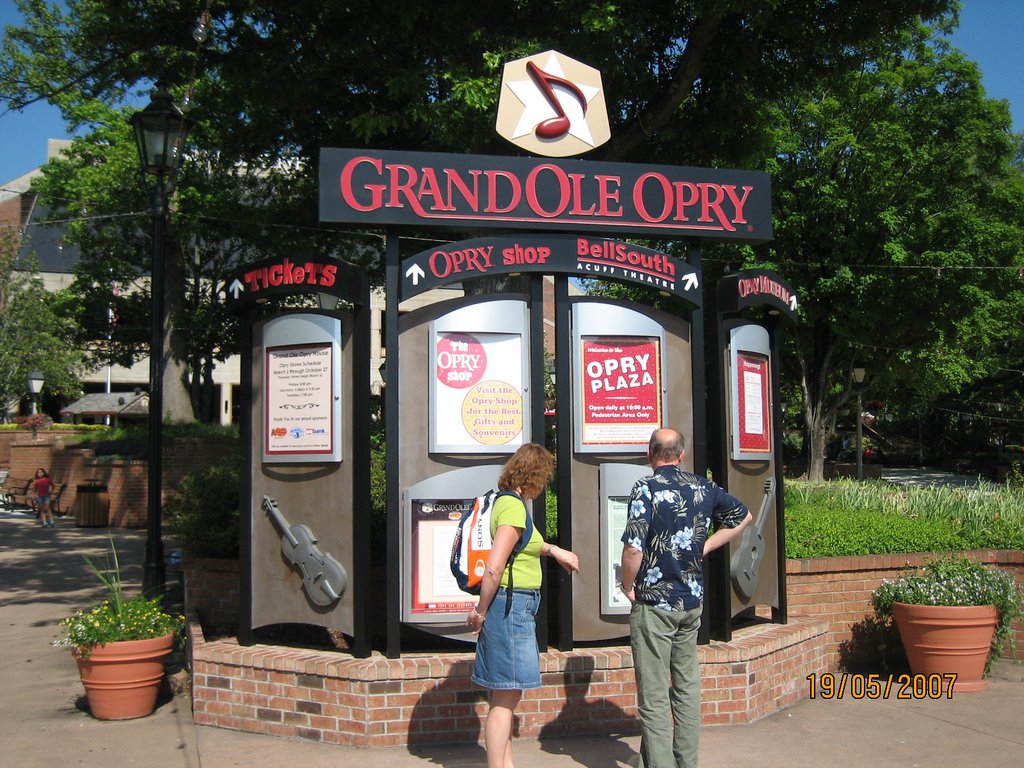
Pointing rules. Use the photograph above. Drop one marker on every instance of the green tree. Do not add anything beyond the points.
(898, 215)
(687, 83)
(33, 333)
(275, 81)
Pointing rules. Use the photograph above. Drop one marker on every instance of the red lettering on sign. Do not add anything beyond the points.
(545, 192)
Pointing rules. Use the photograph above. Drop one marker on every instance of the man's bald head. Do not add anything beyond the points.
(666, 447)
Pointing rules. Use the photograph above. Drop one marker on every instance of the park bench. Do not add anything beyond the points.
(55, 494)
(14, 488)
(29, 498)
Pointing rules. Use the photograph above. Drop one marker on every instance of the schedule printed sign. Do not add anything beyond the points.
(299, 399)
(621, 390)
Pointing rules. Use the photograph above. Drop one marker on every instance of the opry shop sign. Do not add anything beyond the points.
(483, 191)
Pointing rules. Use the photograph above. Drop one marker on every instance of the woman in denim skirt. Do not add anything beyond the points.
(507, 659)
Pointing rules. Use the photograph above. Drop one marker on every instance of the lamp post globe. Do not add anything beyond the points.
(160, 131)
(35, 387)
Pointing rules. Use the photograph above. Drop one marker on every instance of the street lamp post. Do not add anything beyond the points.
(160, 131)
(858, 379)
(35, 387)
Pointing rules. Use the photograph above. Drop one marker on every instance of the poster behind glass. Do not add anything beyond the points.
(434, 591)
(750, 393)
(618, 380)
(615, 482)
(478, 373)
(301, 415)
(620, 389)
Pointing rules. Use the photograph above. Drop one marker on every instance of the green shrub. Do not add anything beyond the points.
(848, 518)
(64, 428)
(204, 511)
(551, 514)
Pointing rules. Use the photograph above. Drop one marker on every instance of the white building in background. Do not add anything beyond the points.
(20, 210)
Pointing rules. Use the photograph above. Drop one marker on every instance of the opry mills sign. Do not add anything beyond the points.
(477, 192)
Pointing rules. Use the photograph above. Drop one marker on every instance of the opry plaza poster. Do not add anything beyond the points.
(621, 383)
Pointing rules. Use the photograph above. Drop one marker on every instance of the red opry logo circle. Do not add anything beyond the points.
(460, 360)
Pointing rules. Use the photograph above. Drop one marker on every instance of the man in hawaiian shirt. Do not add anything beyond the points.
(665, 540)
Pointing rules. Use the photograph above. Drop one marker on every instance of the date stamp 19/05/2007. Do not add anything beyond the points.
(828, 685)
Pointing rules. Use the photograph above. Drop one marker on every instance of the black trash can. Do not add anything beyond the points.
(92, 506)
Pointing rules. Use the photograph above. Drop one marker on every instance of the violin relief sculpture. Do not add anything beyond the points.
(324, 579)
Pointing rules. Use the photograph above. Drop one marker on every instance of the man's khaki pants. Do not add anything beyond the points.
(668, 685)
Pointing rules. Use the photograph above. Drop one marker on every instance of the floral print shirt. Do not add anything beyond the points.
(669, 515)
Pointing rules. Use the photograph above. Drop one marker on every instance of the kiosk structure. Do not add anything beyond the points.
(305, 529)
(746, 444)
(465, 383)
(466, 375)
(464, 388)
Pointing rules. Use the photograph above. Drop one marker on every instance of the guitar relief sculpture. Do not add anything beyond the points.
(746, 560)
(324, 579)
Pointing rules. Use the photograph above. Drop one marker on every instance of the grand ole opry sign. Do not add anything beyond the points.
(473, 191)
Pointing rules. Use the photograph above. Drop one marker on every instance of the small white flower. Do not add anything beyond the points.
(696, 588)
(636, 509)
(666, 497)
(682, 539)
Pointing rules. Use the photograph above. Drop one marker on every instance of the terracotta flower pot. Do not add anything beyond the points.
(122, 679)
(942, 639)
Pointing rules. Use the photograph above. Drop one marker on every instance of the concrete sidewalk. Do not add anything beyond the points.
(44, 720)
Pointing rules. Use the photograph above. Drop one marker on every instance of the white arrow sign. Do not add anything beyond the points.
(236, 288)
(690, 281)
(417, 273)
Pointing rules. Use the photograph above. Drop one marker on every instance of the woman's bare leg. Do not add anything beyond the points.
(498, 728)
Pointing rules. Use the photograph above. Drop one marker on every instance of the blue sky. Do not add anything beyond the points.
(991, 33)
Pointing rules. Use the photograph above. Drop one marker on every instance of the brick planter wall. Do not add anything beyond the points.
(838, 590)
(429, 698)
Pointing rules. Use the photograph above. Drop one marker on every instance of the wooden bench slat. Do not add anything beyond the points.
(14, 488)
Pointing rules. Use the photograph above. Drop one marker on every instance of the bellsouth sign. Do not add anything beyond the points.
(471, 191)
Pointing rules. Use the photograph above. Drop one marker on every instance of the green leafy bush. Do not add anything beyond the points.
(835, 533)
(204, 511)
(69, 431)
(378, 498)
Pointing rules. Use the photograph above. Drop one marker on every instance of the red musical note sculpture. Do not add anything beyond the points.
(554, 127)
